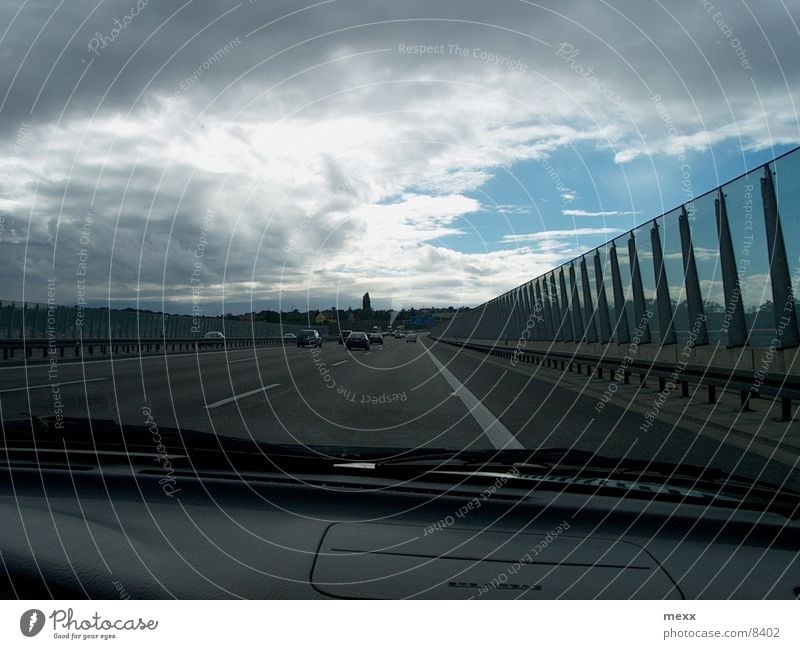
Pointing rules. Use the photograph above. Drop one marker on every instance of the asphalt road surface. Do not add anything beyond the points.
(400, 394)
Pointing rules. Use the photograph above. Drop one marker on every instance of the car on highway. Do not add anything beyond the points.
(290, 337)
(376, 337)
(214, 334)
(411, 338)
(399, 334)
(343, 334)
(309, 338)
(357, 340)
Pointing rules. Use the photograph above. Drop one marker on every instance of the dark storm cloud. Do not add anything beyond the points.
(46, 48)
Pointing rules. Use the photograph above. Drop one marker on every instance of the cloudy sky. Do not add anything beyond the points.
(299, 154)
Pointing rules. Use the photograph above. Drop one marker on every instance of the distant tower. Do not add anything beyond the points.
(365, 303)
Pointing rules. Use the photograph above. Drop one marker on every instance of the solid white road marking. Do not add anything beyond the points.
(236, 397)
(339, 363)
(50, 385)
(498, 434)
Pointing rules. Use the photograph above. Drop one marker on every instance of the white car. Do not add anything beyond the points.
(214, 334)
(411, 338)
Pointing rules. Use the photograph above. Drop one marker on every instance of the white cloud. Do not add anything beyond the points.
(511, 209)
(601, 213)
(304, 208)
(560, 234)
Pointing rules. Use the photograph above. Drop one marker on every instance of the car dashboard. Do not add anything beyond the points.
(87, 532)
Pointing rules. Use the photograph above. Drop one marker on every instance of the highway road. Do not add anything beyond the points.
(399, 395)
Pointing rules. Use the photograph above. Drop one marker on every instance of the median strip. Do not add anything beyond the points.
(236, 397)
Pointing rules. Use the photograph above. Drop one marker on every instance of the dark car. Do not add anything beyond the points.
(309, 338)
(357, 340)
(343, 334)
(376, 338)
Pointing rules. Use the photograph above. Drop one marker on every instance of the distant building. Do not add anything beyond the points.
(366, 305)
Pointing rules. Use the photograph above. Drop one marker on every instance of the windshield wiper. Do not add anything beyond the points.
(570, 467)
(573, 466)
(571, 461)
(108, 436)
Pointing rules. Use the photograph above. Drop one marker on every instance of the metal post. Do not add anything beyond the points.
(694, 298)
(72, 321)
(507, 309)
(527, 310)
(639, 306)
(733, 320)
(485, 320)
(666, 319)
(547, 309)
(36, 321)
(60, 321)
(511, 319)
(97, 331)
(495, 321)
(566, 310)
(520, 312)
(538, 314)
(519, 309)
(555, 307)
(602, 300)
(577, 317)
(494, 331)
(95, 316)
(10, 319)
(782, 294)
(498, 328)
(621, 330)
(548, 316)
(588, 304)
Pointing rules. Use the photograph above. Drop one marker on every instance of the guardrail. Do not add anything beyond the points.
(76, 347)
(783, 387)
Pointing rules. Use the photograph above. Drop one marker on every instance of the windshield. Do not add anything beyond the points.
(592, 235)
